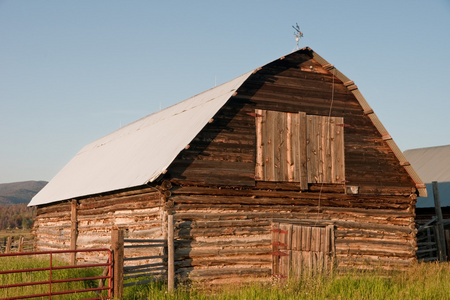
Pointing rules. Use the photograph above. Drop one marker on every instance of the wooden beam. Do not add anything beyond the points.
(73, 232)
(440, 226)
(170, 250)
(20, 245)
(8, 245)
(117, 237)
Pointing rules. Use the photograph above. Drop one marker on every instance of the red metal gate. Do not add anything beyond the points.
(51, 281)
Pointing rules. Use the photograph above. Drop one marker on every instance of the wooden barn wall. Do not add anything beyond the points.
(223, 235)
(223, 216)
(139, 212)
(297, 83)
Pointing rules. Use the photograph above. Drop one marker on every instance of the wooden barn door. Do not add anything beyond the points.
(300, 249)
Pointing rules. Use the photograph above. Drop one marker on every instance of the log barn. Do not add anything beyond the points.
(286, 166)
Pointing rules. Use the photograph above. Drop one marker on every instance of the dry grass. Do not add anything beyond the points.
(16, 233)
(421, 281)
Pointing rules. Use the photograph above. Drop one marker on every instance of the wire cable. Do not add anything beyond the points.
(329, 116)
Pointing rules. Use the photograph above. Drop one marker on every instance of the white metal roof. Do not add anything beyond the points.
(139, 152)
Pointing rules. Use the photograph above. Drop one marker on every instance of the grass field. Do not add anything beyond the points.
(420, 281)
(28, 262)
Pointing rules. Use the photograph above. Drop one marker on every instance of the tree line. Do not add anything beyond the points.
(16, 216)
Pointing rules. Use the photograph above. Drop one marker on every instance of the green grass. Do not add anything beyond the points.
(26, 262)
(421, 281)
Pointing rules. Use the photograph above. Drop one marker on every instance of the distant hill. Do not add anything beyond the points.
(19, 192)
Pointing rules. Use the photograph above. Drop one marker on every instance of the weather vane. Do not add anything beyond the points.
(298, 34)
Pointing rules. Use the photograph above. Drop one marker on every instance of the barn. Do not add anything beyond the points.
(286, 162)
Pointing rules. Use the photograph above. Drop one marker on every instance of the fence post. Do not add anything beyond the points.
(447, 239)
(21, 244)
(118, 257)
(8, 245)
(73, 232)
(440, 237)
(170, 257)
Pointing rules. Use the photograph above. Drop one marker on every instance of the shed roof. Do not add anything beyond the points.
(141, 151)
(432, 164)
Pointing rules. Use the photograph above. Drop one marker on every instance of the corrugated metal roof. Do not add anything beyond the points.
(432, 164)
(139, 152)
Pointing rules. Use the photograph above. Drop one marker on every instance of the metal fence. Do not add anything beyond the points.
(51, 281)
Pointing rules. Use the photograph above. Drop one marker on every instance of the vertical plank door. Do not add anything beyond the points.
(301, 249)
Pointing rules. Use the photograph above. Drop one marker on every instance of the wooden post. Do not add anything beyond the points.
(440, 237)
(170, 259)
(21, 244)
(447, 239)
(118, 256)
(8, 245)
(73, 232)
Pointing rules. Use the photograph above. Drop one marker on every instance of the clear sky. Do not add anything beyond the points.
(74, 71)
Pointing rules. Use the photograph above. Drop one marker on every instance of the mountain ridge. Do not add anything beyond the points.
(19, 192)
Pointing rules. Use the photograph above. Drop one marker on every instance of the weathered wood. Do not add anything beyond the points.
(8, 244)
(325, 149)
(165, 185)
(209, 274)
(73, 232)
(301, 249)
(237, 259)
(289, 151)
(170, 260)
(302, 151)
(269, 204)
(440, 237)
(184, 253)
(117, 241)
(296, 203)
(133, 201)
(238, 241)
(447, 239)
(352, 224)
(20, 249)
(259, 164)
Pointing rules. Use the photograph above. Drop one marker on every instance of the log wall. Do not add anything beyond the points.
(223, 234)
(223, 215)
(295, 84)
(139, 212)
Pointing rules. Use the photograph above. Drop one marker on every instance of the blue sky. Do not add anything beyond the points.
(74, 71)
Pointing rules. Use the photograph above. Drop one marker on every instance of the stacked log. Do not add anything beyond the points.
(138, 211)
(223, 235)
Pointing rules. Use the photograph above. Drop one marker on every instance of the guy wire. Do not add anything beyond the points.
(328, 129)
